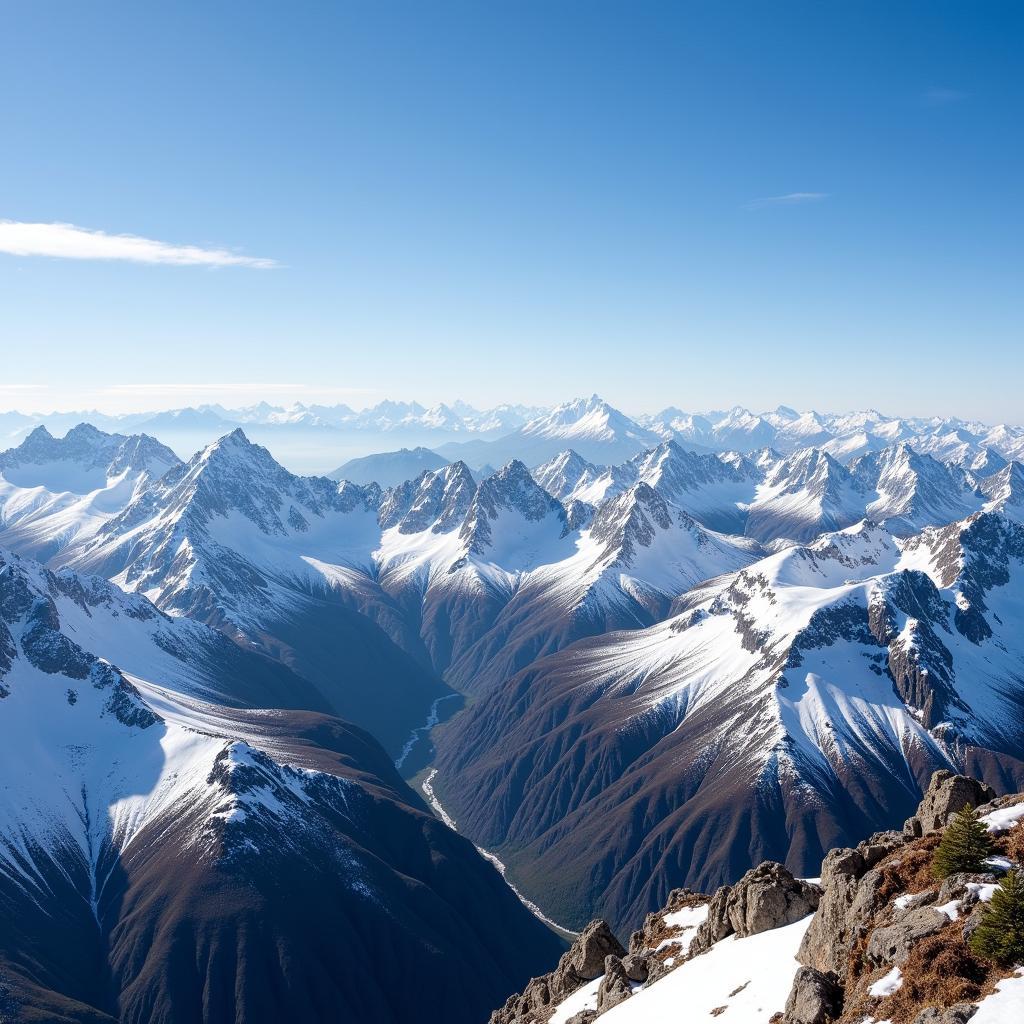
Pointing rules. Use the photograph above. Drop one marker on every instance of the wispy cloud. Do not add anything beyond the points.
(66, 241)
(942, 97)
(789, 199)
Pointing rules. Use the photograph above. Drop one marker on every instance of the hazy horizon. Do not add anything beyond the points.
(230, 403)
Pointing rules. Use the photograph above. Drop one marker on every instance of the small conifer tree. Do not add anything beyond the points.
(1000, 935)
(964, 845)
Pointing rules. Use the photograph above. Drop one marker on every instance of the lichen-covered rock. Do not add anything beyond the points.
(815, 998)
(946, 794)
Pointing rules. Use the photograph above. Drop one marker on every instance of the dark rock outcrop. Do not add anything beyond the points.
(589, 957)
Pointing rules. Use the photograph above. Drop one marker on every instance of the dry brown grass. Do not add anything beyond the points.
(678, 900)
(941, 971)
(909, 869)
(1011, 843)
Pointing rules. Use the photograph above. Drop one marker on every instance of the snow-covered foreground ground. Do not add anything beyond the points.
(1005, 1005)
(749, 978)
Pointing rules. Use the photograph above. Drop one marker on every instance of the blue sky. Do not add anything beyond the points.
(514, 202)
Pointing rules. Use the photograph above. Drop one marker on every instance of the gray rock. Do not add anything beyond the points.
(584, 961)
(954, 887)
(637, 966)
(815, 998)
(959, 1013)
(946, 794)
(879, 846)
(852, 897)
(893, 943)
(614, 987)
(973, 920)
(583, 1017)
(766, 897)
(834, 929)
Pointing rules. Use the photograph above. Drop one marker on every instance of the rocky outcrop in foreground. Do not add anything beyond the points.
(885, 939)
(766, 897)
(889, 939)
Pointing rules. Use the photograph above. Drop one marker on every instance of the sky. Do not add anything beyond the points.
(691, 203)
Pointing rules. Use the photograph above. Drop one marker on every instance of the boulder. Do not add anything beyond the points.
(954, 887)
(637, 966)
(766, 897)
(946, 794)
(892, 944)
(615, 987)
(959, 1013)
(584, 961)
(815, 998)
(828, 940)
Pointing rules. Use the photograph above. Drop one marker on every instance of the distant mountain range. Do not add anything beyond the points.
(675, 661)
(319, 438)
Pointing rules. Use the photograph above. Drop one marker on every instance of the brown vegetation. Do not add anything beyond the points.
(909, 869)
(941, 971)
(1011, 844)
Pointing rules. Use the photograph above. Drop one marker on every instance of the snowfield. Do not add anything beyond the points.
(747, 980)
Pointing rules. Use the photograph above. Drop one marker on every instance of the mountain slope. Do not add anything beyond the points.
(165, 858)
(55, 492)
(389, 469)
(799, 702)
(234, 540)
(589, 426)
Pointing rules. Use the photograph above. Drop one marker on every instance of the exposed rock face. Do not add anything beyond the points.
(879, 907)
(850, 899)
(587, 958)
(652, 931)
(892, 945)
(961, 1013)
(767, 896)
(637, 967)
(614, 987)
(947, 793)
(815, 998)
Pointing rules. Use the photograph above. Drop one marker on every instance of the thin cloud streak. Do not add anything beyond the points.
(789, 199)
(67, 241)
